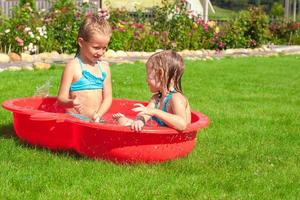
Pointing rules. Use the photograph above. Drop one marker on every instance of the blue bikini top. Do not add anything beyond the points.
(160, 122)
(88, 81)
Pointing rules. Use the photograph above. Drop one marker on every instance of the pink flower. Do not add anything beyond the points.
(136, 35)
(253, 42)
(205, 27)
(221, 45)
(138, 26)
(19, 41)
(77, 14)
(200, 21)
(216, 36)
(121, 29)
(295, 25)
(89, 14)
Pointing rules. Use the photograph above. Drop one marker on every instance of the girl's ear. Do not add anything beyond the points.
(80, 41)
(161, 74)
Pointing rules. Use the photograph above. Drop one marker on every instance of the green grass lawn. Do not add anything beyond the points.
(222, 14)
(250, 151)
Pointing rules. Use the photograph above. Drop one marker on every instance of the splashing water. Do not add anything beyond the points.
(44, 90)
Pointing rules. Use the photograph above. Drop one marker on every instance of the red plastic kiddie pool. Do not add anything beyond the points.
(41, 121)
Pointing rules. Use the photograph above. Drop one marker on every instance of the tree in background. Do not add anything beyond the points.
(268, 4)
(277, 10)
(255, 2)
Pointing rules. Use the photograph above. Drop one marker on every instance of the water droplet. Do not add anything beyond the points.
(44, 90)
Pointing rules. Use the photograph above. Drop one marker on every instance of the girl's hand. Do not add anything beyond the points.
(143, 110)
(96, 117)
(137, 125)
(76, 104)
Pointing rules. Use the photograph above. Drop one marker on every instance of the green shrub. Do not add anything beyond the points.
(26, 24)
(249, 29)
(55, 30)
(171, 26)
(63, 23)
(285, 32)
(277, 10)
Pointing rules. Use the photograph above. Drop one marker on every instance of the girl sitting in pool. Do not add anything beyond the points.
(85, 88)
(168, 106)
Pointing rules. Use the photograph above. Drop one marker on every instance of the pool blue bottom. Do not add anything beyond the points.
(79, 116)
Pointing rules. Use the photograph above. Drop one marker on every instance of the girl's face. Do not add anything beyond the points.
(152, 80)
(94, 48)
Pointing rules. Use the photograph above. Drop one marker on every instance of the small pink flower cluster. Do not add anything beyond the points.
(295, 25)
(217, 41)
(19, 41)
(252, 42)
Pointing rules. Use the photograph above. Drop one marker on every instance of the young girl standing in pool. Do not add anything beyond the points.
(85, 88)
(168, 106)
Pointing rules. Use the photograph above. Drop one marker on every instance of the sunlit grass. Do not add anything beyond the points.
(222, 14)
(250, 151)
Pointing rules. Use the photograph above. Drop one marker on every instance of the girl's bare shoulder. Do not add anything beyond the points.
(72, 63)
(72, 69)
(179, 98)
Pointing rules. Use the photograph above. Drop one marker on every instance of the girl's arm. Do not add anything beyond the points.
(107, 93)
(177, 119)
(141, 119)
(64, 89)
(151, 105)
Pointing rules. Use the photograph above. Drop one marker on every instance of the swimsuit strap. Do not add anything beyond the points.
(159, 121)
(99, 66)
(80, 63)
(79, 116)
(168, 99)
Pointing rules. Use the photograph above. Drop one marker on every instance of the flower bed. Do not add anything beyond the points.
(172, 26)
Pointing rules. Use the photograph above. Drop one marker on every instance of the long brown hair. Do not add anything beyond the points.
(172, 66)
(93, 24)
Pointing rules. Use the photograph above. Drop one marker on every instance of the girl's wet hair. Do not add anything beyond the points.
(93, 24)
(172, 66)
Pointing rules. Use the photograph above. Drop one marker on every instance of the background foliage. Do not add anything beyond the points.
(172, 26)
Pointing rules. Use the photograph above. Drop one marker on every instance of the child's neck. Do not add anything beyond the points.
(167, 92)
(85, 60)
